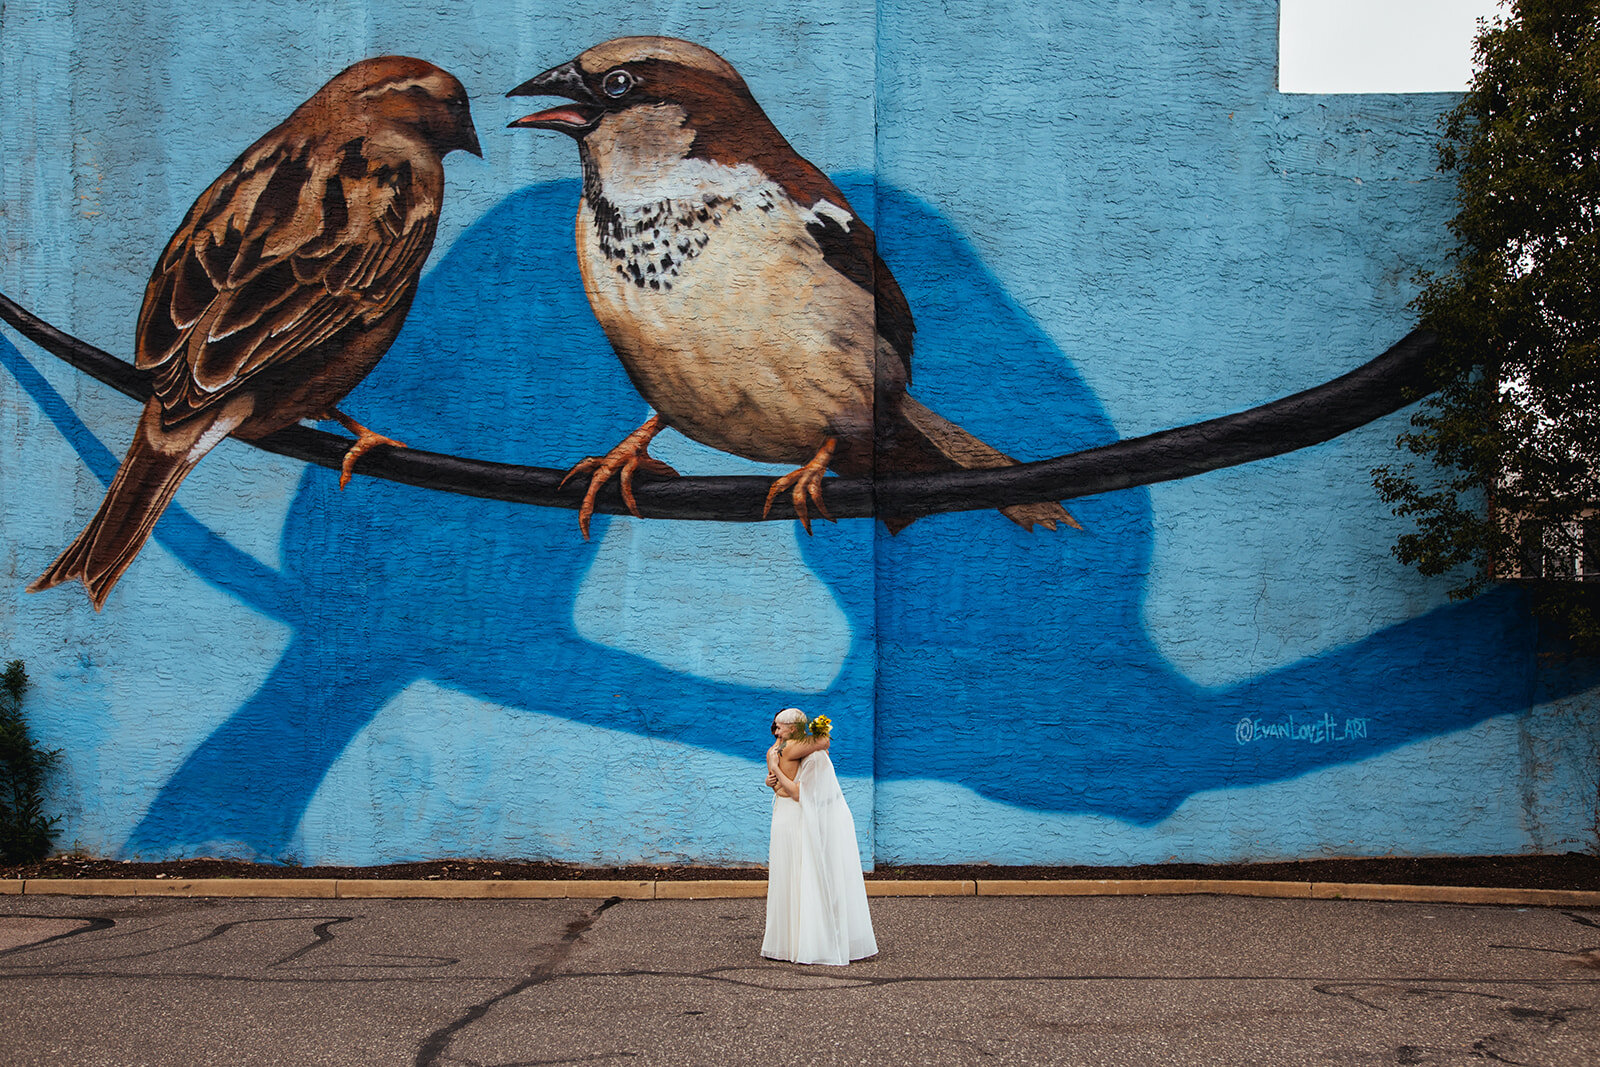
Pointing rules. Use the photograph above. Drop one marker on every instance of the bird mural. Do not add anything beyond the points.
(742, 293)
(482, 603)
(285, 284)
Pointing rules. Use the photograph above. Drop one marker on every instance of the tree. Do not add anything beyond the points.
(25, 833)
(1513, 430)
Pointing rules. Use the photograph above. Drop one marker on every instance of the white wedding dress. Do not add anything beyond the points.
(816, 898)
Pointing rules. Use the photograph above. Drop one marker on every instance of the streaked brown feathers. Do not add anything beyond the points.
(281, 289)
(300, 239)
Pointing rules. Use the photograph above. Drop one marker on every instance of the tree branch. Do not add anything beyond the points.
(1385, 385)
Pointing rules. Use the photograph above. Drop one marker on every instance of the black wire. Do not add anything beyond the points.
(1393, 380)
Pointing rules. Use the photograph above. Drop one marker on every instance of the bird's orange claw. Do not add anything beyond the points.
(626, 459)
(805, 484)
(366, 441)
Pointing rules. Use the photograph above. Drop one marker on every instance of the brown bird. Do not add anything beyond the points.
(741, 291)
(285, 284)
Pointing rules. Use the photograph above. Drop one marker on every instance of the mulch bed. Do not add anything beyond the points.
(1571, 871)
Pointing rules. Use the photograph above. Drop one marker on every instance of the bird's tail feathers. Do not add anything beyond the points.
(156, 464)
(968, 453)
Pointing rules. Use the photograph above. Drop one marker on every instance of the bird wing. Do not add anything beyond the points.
(295, 242)
(852, 250)
(848, 244)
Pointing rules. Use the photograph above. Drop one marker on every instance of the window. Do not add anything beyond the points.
(1568, 551)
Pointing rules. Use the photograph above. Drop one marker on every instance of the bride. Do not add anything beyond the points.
(816, 899)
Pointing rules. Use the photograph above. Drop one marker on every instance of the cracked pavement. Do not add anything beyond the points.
(1059, 980)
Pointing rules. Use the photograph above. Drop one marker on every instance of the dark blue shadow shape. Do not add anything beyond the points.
(997, 633)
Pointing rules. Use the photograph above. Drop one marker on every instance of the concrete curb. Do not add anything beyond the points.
(1138, 887)
(710, 890)
(180, 887)
(922, 888)
(1449, 894)
(572, 889)
(358, 888)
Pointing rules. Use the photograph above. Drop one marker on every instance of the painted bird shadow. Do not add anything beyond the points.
(997, 629)
(1031, 651)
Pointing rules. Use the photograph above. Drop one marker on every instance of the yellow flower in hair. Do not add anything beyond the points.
(820, 726)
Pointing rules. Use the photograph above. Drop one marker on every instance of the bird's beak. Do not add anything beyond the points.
(575, 119)
(469, 141)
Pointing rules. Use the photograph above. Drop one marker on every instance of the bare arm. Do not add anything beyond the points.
(802, 749)
(786, 786)
(790, 787)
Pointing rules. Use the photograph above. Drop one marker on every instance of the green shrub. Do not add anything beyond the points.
(25, 833)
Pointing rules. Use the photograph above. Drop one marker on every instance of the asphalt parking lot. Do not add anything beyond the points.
(1059, 980)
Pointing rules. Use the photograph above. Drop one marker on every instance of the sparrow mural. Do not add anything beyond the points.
(480, 601)
(742, 292)
(439, 668)
(918, 464)
(286, 283)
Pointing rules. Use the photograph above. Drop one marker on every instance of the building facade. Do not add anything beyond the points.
(1106, 221)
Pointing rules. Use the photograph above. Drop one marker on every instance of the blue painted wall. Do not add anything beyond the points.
(1107, 221)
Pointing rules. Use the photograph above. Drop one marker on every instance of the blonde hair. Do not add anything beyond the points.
(790, 715)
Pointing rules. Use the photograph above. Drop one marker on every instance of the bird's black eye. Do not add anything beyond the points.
(617, 82)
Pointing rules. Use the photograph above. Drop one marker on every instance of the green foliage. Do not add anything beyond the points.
(25, 833)
(1513, 433)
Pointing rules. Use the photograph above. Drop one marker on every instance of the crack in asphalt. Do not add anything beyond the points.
(1347, 991)
(321, 935)
(836, 982)
(92, 924)
(721, 974)
(323, 932)
(1496, 1046)
(1507, 1038)
(1481, 1047)
(280, 976)
(1580, 957)
(434, 1045)
(597, 1058)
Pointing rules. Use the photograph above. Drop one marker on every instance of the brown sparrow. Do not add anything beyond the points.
(741, 291)
(284, 286)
